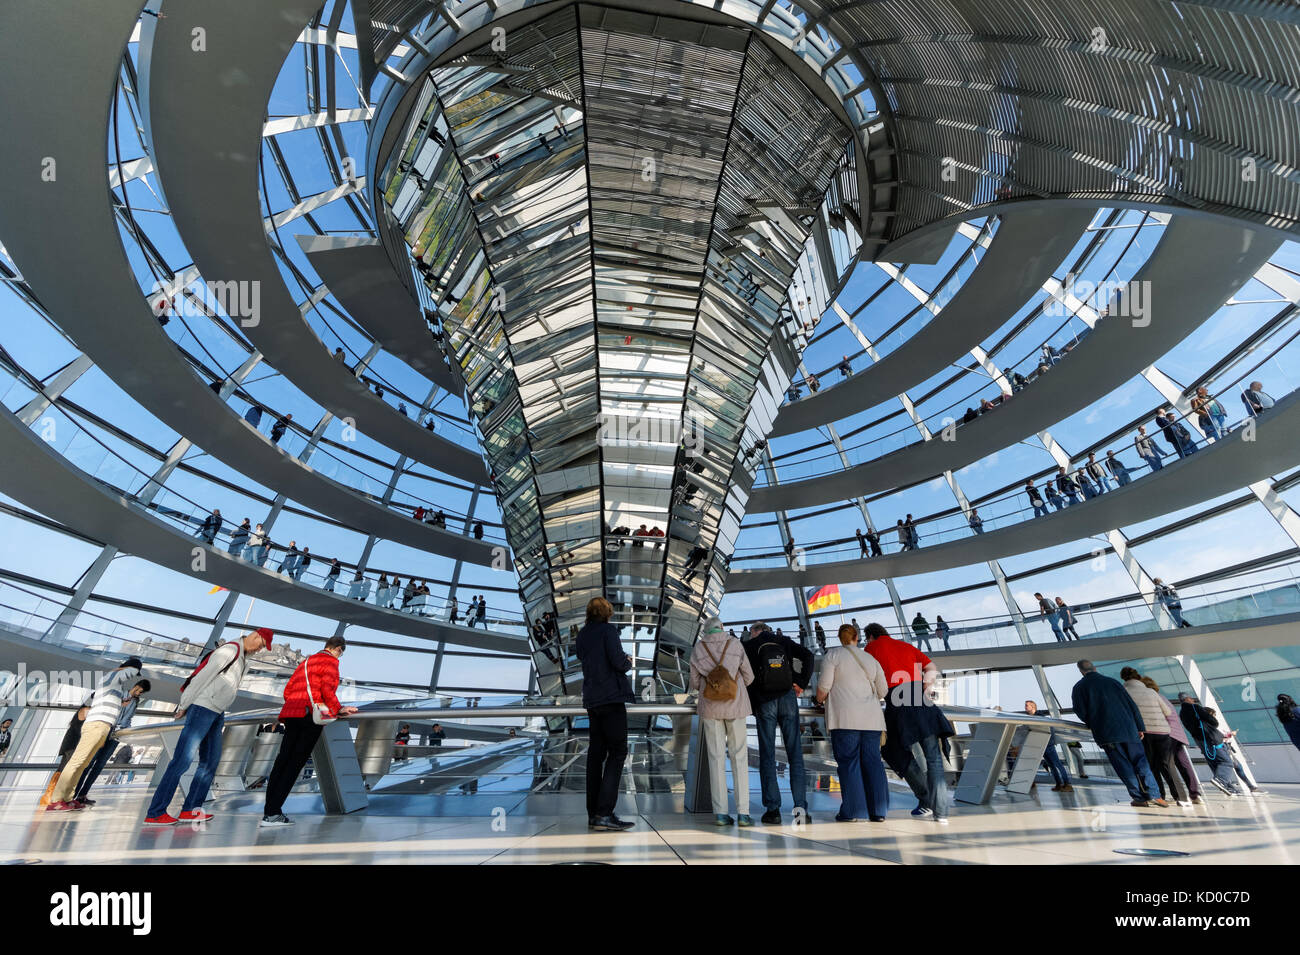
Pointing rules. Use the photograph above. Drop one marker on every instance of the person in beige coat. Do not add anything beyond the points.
(852, 685)
(722, 717)
(1157, 714)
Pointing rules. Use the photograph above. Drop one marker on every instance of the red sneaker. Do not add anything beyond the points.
(163, 820)
(195, 815)
(58, 807)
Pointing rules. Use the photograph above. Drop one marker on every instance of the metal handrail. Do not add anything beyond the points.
(960, 714)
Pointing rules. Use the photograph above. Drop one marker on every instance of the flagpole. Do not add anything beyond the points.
(249, 611)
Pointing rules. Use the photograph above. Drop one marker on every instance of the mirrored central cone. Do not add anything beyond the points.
(611, 212)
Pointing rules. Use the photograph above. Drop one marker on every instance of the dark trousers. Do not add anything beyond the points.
(606, 753)
(1186, 770)
(864, 791)
(300, 736)
(1129, 761)
(95, 768)
(1054, 765)
(1160, 754)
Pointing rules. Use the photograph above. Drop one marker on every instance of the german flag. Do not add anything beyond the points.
(819, 598)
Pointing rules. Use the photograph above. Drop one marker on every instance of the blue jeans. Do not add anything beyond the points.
(1054, 765)
(784, 710)
(928, 782)
(1057, 502)
(1175, 611)
(329, 583)
(1089, 492)
(1122, 478)
(1052, 618)
(864, 791)
(1221, 765)
(236, 547)
(94, 769)
(1130, 762)
(1153, 461)
(202, 732)
(1040, 510)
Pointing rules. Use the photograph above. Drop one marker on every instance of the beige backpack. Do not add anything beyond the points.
(719, 685)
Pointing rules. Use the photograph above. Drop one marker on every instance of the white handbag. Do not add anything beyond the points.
(320, 713)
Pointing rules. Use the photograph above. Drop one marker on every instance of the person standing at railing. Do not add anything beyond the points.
(1117, 726)
(1047, 611)
(1095, 471)
(1202, 725)
(852, 685)
(210, 527)
(332, 577)
(1169, 598)
(310, 701)
(6, 738)
(290, 560)
(782, 670)
(127, 714)
(1065, 616)
(304, 562)
(482, 610)
(941, 630)
(1178, 740)
(1256, 399)
(1147, 450)
(921, 628)
(720, 671)
(71, 737)
(915, 727)
(1209, 413)
(913, 538)
(1289, 717)
(975, 521)
(255, 552)
(1176, 436)
(471, 615)
(606, 691)
(1053, 495)
(238, 539)
(205, 696)
(280, 427)
(1060, 775)
(1156, 740)
(1117, 469)
(1068, 486)
(1035, 499)
(105, 708)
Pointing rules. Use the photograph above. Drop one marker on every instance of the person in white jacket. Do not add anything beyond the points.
(1157, 714)
(852, 685)
(205, 697)
(722, 718)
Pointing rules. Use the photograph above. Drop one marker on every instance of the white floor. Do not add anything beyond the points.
(1046, 828)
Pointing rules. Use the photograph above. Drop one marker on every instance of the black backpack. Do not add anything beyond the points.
(775, 672)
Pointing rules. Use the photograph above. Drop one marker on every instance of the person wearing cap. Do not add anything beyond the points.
(314, 682)
(205, 697)
(723, 716)
(105, 707)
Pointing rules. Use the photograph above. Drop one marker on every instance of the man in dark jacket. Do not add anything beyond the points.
(1202, 726)
(1117, 726)
(782, 669)
(606, 691)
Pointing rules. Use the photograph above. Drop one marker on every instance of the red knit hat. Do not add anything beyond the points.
(265, 633)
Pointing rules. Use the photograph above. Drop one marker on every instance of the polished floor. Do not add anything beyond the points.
(1088, 826)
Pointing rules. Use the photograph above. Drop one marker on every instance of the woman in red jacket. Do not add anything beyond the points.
(300, 731)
